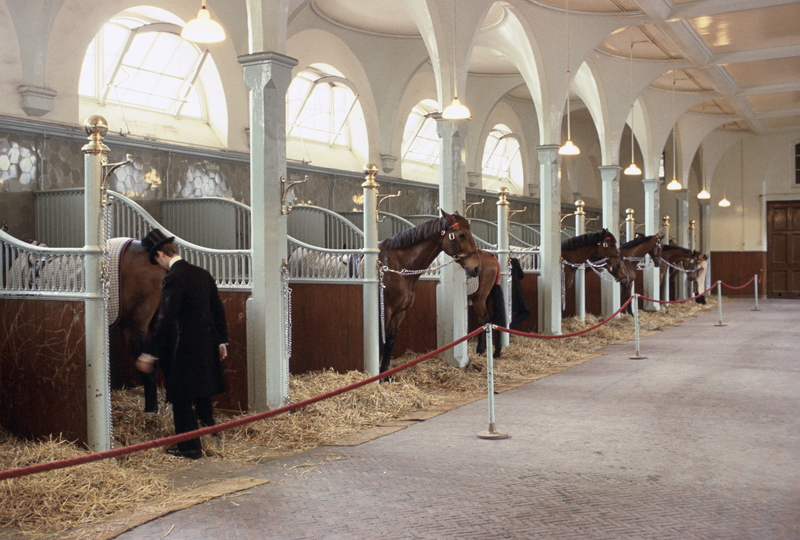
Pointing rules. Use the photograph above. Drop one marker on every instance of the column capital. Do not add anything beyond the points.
(267, 57)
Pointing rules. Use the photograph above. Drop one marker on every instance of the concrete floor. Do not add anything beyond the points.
(701, 439)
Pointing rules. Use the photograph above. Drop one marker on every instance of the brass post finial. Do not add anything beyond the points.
(96, 127)
(665, 221)
(370, 172)
(579, 208)
(503, 200)
(629, 214)
(692, 224)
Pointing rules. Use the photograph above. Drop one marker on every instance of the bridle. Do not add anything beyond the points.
(451, 232)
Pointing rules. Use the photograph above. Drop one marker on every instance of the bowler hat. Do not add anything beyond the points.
(153, 241)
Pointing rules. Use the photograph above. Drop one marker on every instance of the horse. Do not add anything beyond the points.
(593, 248)
(139, 297)
(413, 250)
(676, 258)
(633, 253)
(486, 296)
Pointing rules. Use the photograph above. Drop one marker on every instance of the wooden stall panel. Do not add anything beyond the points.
(736, 268)
(418, 331)
(42, 366)
(326, 328)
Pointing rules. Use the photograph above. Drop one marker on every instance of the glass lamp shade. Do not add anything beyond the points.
(456, 111)
(569, 149)
(632, 170)
(724, 203)
(704, 194)
(203, 29)
(674, 185)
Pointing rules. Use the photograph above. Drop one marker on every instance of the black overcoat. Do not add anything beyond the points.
(188, 330)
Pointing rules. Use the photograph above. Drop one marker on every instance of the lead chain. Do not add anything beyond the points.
(287, 327)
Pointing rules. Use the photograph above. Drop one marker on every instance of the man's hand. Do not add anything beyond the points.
(146, 363)
(223, 351)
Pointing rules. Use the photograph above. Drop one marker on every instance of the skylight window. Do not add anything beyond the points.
(420, 138)
(321, 106)
(502, 164)
(138, 61)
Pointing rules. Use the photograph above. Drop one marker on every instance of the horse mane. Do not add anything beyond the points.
(638, 241)
(588, 239)
(667, 247)
(415, 235)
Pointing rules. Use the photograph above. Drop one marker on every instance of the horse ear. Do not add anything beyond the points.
(450, 219)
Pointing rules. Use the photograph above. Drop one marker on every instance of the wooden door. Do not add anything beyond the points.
(783, 249)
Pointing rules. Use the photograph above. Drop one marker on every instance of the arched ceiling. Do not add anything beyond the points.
(746, 52)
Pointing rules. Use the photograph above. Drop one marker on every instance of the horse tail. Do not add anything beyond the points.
(498, 306)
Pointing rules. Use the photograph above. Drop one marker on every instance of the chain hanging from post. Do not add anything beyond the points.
(287, 325)
(105, 277)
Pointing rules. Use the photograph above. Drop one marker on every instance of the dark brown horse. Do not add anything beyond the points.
(596, 248)
(633, 253)
(487, 302)
(139, 297)
(676, 258)
(414, 250)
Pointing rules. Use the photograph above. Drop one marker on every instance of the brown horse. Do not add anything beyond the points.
(676, 258)
(595, 248)
(413, 250)
(487, 301)
(139, 297)
(633, 253)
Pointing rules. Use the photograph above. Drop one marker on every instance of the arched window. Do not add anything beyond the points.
(421, 143)
(323, 113)
(502, 163)
(139, 61)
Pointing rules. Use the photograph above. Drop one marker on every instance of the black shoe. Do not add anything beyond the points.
(188, 454)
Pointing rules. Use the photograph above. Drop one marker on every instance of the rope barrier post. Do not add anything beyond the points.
(719, 303)
(755, 284)
(635, 309)
(492, 432)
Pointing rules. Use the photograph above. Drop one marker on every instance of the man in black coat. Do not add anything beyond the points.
(189, 338)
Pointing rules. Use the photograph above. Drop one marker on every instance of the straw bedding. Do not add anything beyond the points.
(45, 503)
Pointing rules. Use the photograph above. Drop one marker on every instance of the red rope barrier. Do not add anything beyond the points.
(740, 287)
(561, 336)
(678, 301)
(116, 452)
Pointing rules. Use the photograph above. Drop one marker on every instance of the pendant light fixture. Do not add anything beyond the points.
(724, 202)
(632, 169)
(203, 29)
(568, 149)
(456, 111)
(674, 185)
(703, 193)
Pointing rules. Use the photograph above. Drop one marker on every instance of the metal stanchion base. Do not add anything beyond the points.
(637, 356)
(755, 309)
(720, 324)
(492, 433)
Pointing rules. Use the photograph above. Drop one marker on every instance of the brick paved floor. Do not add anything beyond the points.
(699, 440)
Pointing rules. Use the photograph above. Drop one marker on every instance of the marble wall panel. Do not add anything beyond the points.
(42, 366)
(20, 162)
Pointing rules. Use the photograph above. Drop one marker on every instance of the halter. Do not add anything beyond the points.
(452, 237)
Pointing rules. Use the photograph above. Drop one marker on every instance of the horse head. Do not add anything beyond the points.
(607, 249)
(457, 241)
(655, 253)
